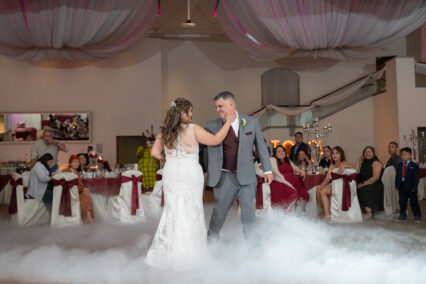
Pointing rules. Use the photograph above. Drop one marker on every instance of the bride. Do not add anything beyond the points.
(181, 237)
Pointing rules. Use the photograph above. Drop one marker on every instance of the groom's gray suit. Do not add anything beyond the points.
(233, 176)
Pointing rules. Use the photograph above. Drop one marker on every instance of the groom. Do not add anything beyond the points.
(231, 167)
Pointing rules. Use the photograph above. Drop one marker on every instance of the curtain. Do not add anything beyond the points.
(36, 30)
(338, 29)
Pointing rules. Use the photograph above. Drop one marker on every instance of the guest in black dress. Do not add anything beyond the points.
(370, 186)
(326, 157)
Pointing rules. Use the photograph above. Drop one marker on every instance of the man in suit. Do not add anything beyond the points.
(299, 146)
(230, 169)
(406, 182)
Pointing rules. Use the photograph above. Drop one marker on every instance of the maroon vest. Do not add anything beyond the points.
(230, 151)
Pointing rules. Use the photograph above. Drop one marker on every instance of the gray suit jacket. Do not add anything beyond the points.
(249, 135)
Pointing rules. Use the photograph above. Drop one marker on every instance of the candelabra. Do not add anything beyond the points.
(316, 133)
(414, 138)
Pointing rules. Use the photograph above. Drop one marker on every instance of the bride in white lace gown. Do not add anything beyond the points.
(181, 238)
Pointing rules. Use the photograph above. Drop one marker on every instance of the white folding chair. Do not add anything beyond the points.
(63, 181)
(121, 205)
(266, 194)
(391, 198)
(421, 189)
(353, 215)
(29, 212)
(5, 193)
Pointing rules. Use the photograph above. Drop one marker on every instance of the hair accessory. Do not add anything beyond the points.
(173, 104)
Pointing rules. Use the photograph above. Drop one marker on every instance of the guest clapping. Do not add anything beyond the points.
(370, 186)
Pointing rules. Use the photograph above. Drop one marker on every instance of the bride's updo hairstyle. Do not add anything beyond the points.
(171, 126)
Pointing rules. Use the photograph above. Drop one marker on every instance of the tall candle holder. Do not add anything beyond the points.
(316, 133)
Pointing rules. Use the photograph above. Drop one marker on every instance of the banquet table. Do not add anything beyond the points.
(103, 186)
(313, 180)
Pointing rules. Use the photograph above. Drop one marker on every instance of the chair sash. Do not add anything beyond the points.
(65, 203)
(135, 196)
(259, 192)
(13, 204)
(346, 194)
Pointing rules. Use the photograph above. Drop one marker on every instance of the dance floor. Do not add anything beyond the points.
(289, 249)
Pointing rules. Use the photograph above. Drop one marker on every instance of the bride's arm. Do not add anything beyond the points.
(209, 139)
(157, 148)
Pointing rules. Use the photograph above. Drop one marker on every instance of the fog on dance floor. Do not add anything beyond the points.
(289, 250)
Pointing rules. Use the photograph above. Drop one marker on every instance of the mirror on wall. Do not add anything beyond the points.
(24, 127)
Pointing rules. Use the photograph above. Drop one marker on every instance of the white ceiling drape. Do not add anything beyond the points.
(338, 29)
(36, 30)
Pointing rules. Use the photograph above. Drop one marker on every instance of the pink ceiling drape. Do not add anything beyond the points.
(36, 30)
(338, 29)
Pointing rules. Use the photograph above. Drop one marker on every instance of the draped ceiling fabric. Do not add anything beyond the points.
(36, 30)
(338, 29)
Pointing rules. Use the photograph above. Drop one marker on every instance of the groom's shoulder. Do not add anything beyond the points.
(249, 118)
(213, 122)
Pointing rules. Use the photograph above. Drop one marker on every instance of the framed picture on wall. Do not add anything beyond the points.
(22, 127)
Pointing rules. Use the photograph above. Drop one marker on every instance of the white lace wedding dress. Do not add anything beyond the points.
(181, 238)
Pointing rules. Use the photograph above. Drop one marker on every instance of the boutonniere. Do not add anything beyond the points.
(243, 122)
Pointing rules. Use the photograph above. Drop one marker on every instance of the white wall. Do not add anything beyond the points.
(132, 91)
(411, 100)
(386, 124)
(123, 93)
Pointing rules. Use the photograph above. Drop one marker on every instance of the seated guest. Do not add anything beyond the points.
(40, 186)
(302, 162)
(394, 159)
(370, 186)
(299, 146)
(87, 212)
(286, 188)
(326, 159)
(84, 162)
(47, 145)
(324, 190)
(406, 182)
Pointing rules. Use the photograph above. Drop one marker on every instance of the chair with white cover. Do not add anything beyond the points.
(391, 198)
(127, 205)
(6, 191)
(265, 205)
(25, 212)
(344, 204)
(66, 209)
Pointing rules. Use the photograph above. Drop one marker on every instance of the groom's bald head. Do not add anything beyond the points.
(224, 102)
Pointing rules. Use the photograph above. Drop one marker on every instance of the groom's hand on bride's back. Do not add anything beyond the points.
(268, 178)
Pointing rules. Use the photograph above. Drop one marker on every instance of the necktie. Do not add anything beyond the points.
(403, 170)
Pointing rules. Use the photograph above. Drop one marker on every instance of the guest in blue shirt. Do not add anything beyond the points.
(406, 182)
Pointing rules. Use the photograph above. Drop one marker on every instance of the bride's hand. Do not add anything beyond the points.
(231, 116)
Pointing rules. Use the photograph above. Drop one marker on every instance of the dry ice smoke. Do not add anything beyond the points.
(290, 250)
